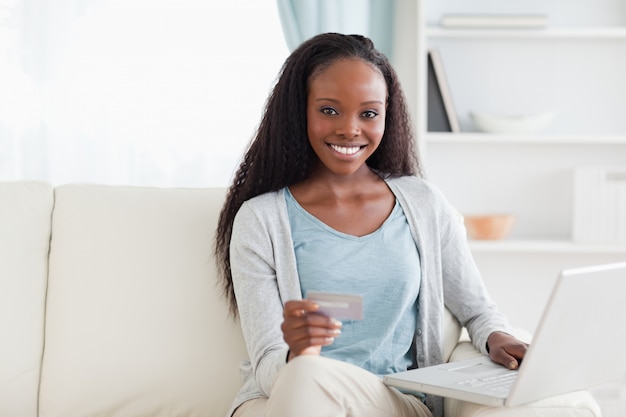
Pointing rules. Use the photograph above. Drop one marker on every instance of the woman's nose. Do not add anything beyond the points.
(349, 127)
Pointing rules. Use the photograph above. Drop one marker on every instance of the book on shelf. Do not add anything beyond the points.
(495, 21)
(441, 113)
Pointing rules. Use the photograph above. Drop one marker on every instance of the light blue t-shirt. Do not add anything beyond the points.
(383, 267)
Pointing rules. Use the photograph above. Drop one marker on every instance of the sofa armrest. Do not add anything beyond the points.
(575, 404)
(25, 213)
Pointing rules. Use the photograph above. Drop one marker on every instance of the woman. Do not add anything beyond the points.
(328, 197)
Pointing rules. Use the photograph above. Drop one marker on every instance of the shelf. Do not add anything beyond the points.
(492, 138)
(547, 33)
(574, 70)
(544, 246)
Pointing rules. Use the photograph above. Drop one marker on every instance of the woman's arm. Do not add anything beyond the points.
(467, 297)
(258, 297)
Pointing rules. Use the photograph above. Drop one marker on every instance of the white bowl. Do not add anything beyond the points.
(511, 124)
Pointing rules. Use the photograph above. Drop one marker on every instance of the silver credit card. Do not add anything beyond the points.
(338, 306)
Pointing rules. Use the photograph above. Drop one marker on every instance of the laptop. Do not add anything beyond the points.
(580, 342)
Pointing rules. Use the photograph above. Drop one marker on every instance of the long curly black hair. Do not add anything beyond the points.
(280, 154)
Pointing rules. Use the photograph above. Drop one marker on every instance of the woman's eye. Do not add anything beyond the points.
(329, 110)
(369, 114)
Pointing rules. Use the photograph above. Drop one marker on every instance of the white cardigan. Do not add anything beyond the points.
(265, 276)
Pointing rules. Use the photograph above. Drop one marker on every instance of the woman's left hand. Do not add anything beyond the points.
(506, 349)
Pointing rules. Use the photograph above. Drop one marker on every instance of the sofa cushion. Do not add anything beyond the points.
(451, 333)
(136, 325)
(25, 213)
(575, 404)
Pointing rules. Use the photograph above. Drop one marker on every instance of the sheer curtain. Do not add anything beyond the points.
(302, 19)
(141, 92)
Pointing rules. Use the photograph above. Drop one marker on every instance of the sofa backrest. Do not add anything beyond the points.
(135, 321)
(25, 213)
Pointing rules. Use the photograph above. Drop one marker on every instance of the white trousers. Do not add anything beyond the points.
(313, 386)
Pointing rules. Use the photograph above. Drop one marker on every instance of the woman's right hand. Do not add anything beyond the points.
(305, 331)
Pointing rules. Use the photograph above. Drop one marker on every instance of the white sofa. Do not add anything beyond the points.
(109, 306)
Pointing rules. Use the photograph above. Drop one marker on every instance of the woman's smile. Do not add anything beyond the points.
(347, 150)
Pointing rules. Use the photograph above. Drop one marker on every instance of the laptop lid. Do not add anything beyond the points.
(578, 344)
(581, 338)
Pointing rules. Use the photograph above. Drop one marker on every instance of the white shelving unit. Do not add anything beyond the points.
(573, 67)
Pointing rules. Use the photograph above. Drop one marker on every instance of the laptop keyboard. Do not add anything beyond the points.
(498, 383)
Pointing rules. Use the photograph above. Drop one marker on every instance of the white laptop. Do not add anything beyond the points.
(580, 342)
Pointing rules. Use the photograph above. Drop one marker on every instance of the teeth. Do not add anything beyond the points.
(346, 150)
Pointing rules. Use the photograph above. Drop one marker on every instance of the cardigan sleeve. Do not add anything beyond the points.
(465, 294)
(258, 298)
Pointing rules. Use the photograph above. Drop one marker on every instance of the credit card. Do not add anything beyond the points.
(338, 306)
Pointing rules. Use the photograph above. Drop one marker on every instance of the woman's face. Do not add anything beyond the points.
(346, 114)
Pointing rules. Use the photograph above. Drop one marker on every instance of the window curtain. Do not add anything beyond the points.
(302, 19)
(139, 92)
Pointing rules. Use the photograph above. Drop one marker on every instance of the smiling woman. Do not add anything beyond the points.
(141, 92)
(328, 198)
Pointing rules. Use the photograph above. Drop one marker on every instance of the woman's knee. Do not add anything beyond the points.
(306, 369)
(314, 385)
(326, 378)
